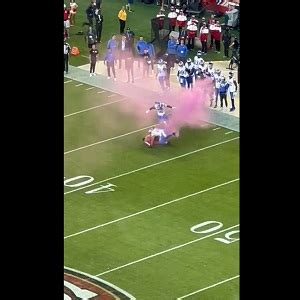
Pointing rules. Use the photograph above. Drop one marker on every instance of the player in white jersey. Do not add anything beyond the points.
(160, 108)
(210, 70)
(190, 69)
(217, 81)
(161, 73)
(198, 60)
(232, 89)
(157, 136)
(181, 74)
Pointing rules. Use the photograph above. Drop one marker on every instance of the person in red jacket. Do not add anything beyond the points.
(66, 19)
(181, 21)
(172, 16)
(203, 38)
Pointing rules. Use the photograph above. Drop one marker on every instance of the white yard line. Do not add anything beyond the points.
(113, 138)
(229, 132)
(217, 128)
(165, 251)
(90, 88)
(112, 95)
(152, 165)
(94, 107)
(79, 84)
(208, 287)
(100, 92)
(68, 81)
(150, 209)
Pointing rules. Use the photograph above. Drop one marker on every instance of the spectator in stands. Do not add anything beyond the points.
(122, 16)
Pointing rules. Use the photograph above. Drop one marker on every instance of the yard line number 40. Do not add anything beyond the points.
(82, 180)
(217, 225)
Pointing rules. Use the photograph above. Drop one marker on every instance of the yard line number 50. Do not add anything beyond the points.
(82, 180)
(217, 225)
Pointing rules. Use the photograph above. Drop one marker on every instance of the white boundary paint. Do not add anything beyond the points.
(208, 287)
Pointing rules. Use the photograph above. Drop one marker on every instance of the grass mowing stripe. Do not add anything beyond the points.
(149, 209)
(110, 139)
(94, 107)
(208, 287)
(153, 165)
(166, 251)
(68, 81)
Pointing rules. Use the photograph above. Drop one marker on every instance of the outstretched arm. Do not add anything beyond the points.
(152, 107)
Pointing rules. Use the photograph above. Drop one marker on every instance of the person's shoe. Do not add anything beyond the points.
(232, 109)
(91, 74)
(94, 74)
(115, 79)
(108, 77)
(174, 133)
(215, 106)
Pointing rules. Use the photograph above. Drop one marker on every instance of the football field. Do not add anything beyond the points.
(160, 223)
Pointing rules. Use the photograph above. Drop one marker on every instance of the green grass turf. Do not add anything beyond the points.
(172, 274)
(138, 21)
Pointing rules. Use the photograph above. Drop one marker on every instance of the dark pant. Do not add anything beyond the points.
(122, 26)
(232, 100)
(223, 96)
(112, 66)
(98, 32)
(90, 21)
(218, 45)
(226, 50)
(189, 81)
(191, 43)
(204, 46)
(92, 67)
(66, 63)
(211, 42)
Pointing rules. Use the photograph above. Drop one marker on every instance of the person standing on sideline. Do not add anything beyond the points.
(109, 61)
(130, 39)
(129, 66)
(123, 49)
(141, 45)
(90, 37)
(217, 36)
(122, 15)
(226, 38)
(113, 45)
(99, 22)
(93, 59)
(128, 5)
(67, 50)
(232, 89)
